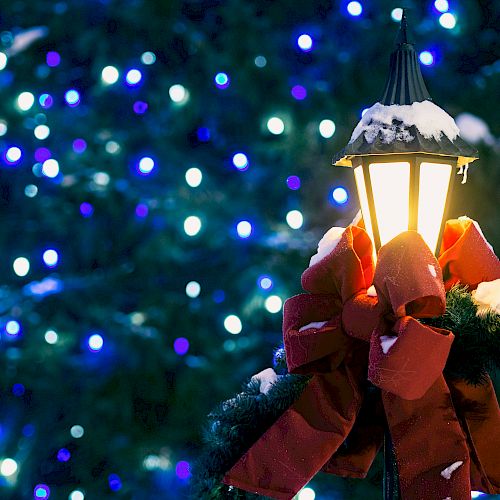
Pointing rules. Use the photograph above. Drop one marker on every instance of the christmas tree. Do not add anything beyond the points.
(165, 177)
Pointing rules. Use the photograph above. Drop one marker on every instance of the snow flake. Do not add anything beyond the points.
(446, 473)
(392, 122)
(432, 270)
(387, 342)
(315, 324)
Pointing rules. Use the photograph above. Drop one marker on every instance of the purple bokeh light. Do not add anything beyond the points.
(140, 107)
(46, 101)
(18, 390)
(79, 146)
(182, 469)
(86, 209)
(141, 210)
(114, 481)
(42, 154)
(63, 455)
(181, 346)
(299, 92)
(293, 182)
(41, 491)
(53, 59)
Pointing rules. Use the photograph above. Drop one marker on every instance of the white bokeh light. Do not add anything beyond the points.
(193, 289)
(327, 128)
(3, 127)
(50, 257)
(3, 60)
(447, 20)
(178, 93)
(77, 431)
(275, 125)
(273, 304)
(51, 337)
(50, 168)
(244, 229)
(96, 342)
(192, 225)
(13, 154)
(21, 266)
(233, 324)
(110, 75)
(397, 14)
(306, 494)
(76, 495)
(148, 58)
(133, 77)
(294, 219)
(8, 467)
(305, 42)
(441, 5)
(240, 161)
(194, 177)
(41, 132)
(146, 165)
(25, 101)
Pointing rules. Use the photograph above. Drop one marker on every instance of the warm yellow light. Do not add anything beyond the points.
(363, 200)
(391, 193)
(433, 189)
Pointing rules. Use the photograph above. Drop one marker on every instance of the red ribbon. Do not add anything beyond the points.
(433, 422)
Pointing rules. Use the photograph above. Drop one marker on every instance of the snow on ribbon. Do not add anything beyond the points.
(429, 119)
(315, 324)
(387, 342)
(327, 244)
(446, 473)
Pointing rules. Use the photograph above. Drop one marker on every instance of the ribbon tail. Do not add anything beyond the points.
(478, 411)
(429, 442)
(300, 442)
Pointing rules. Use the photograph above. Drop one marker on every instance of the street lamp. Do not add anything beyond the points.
(403, 152)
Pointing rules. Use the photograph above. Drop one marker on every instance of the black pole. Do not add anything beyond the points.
(391, 476)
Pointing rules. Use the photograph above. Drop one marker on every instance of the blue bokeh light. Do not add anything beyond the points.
(240, 161)
(203, 134)
(133, 77)
(41, 491)
(426, 58)
(63, 455)
(18, 390)
(95, 342)
(13, 328)
(72, 97)
(339, 195)
(114, 481)
(222, 80)
(265, 282)
(244, 229)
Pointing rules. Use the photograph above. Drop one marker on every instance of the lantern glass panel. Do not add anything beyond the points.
(391, 194)
(363, 200)
(432, 194)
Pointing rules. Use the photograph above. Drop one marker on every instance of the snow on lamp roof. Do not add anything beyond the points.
(405, 120)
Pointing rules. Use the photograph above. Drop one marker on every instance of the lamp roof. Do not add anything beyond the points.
(401, 120)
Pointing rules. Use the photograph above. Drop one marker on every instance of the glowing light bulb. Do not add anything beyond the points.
(447, 20)
(305, 42)
(3, 60)
(95, 342)
(30, 190)
(133, 77)
(299, 92)
(441, 5)
(192, 225)
(41, 492)
(146, 165)
(193, 289)
(25, 101)
(293, 182)
(21, 266)
(13, 155)
(244, 229)
(397, 14)
(13, 328)
(221, 80)
(148, 58)
(327, 128)
(240, 161)
(50, 168)
(354, 9)
(101, 178)
(46, 101)
(51, 337)
(306, 494)
(273, 304)
(50, 257)
(72, 97)
(3, 127)
(112, 147)
(265, 282)
(275, 125)
(178, 94)
(340, 195)
(9, 467)
(233, 324)
(260, 61)
(110, 75)
(294, 219)
(194, 177)
(182, 469)
(76, 495)
(426, 58)
(181, 346)
(41, 132)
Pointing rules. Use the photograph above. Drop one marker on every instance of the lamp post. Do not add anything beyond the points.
(404, 152)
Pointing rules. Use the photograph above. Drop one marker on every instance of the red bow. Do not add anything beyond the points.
(434, 423)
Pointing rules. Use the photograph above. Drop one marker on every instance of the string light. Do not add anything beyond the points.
(110, 75)
(293, 182)
(77, 431)
(426, 58)
(221, 80)
(178, 94)
(53, 59)
(194, 177)
(133, 77)
(275, 125)
(233, 324)
(72, 97)
(146, 165)
(192, 225)
(95, 342)
(41, 132)
(327, 128)
(21, 266)
(265, 282)
(13, 155)
(9, 467)
(25, 101)
(50, 168)
(305, 42)
(193, 289)
(354, 9)
(240, 161)
(76, 495)
(294, 219)
(41, 491)
(447, 20)
(13, 328)
(148, 58)
(3, 60)
(273, 304)
(339, 195)
(397, 14)
(244, 229)
(260, 61)
(51, 257)
(181, 346)
(441, 5)
(51, 337)
(306, 494)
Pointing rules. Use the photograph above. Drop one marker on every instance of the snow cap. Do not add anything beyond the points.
(405, 120)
